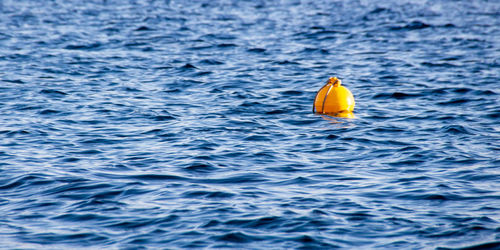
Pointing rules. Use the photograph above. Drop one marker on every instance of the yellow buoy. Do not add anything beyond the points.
(334, 99)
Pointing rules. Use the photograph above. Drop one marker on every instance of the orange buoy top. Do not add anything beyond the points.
(334, 99)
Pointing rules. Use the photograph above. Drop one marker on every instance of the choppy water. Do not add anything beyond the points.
(173, 124)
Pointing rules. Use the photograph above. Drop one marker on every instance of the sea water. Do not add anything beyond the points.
(188, 124)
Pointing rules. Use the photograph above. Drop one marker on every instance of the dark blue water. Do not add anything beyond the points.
(180, 124)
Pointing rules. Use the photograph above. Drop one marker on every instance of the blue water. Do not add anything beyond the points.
(188, 124)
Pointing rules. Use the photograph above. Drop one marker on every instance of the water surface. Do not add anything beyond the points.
(173, 124)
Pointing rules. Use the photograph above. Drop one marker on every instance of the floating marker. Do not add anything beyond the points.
(334, 99)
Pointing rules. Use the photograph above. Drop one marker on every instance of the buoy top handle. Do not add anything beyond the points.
(334, 81)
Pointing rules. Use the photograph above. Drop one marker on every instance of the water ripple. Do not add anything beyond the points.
(175, 124)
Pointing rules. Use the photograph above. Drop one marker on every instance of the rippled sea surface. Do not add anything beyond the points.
(188, 124)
